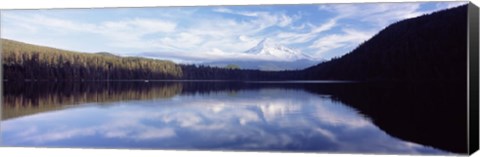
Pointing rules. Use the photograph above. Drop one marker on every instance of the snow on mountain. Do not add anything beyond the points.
(268, 48)
(271, 57)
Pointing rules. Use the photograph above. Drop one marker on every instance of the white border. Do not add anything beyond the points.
(70, 152)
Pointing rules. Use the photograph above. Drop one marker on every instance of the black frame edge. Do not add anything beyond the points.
(473, 102)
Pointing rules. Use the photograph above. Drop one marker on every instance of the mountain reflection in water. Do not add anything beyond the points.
(318, 117)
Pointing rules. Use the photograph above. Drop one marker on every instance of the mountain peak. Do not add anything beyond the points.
(268, 47)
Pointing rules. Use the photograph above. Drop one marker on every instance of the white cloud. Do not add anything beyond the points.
(58, 135)
(263, 18)
(269, 18)
(222, 10)
(292, 38)
(120, 33)
(450, 5)
(348, 38)
(326, 26)
(133, 26)
(143, 26)
(379, 14)
(244, 38)
(284, 20)
(156, 134)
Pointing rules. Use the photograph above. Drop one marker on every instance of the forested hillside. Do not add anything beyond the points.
(428, 47)
(25, 61)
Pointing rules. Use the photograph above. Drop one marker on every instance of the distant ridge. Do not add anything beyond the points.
(106, 54)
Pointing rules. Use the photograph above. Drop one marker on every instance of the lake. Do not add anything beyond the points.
(323, 116)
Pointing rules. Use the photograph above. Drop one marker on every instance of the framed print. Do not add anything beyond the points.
(358, 78)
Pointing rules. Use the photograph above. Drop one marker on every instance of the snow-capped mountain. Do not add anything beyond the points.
(271, 57)
(268, 48)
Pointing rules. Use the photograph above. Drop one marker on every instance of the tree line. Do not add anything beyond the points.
(22, 61)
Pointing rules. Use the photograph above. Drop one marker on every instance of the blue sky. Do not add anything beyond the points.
(197, 34)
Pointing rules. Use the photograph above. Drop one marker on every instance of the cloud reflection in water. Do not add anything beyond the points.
(266, 119)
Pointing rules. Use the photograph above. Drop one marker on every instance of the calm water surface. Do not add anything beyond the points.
(197, 116)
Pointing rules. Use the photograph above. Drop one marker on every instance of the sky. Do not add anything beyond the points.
(210, 33)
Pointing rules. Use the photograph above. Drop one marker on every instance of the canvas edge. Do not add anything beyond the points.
(473, 79)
